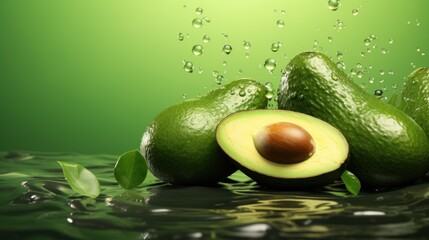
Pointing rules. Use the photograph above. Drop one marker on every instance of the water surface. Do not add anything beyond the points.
(37, 203)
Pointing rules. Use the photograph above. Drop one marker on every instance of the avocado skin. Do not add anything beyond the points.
(293, 183)
(180, 145)
(414, 97)
(387, 147)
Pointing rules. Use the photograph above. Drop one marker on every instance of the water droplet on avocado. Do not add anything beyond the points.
(378, 92)
(197, 50)
(206, 38)
(227, 49)
(197, 23)
(188, 66)
(280, 23)
(199, 11)
(270, 64)
(334, 4)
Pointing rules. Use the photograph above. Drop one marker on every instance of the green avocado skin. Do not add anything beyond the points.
(387, 147)
(180, 144)
(414, 97)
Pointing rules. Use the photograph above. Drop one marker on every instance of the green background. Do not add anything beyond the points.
(89, 76)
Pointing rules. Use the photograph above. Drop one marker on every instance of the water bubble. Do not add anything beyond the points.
(353, 72)
(242, 93)
(215, 73)
(240, 71)
(367, 41)
(329, 39)
(275, 47)
(206, 19)
(227, 49)
(371, 80)
(334, 76)
(391, 72)
(246, 45)
(188, 66)
(372, 37)
(381, 72)
(200, 70)
(184, 96)
(219, 79)
(339, 55)
(197, 23)
(181, 37)
(225, 36)
(359, 74)
(362, 54)
(199, 11)
(283, 12)
(224, 63)
(232, 92)
(269, 86)
(247, 54)
(381, 80)
(378, 92)
(355, 12)
(384, 51)
(395, 86)
(197, 50)
(334, 4)
(280, 23)
(359, 65)
(206, 38)
(390, 41)
(418, 49)
(270, 64)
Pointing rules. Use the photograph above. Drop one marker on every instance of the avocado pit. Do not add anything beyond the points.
(284, 143)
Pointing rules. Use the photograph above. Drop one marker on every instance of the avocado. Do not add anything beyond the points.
(279, 148)
(180, 144)
(414, 97)
(387, 147)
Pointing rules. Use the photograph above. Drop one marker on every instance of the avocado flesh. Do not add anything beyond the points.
(235, 136)
(414, 97)
(180, 144)
(387, 147)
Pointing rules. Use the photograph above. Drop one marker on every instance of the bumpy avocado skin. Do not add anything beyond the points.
(414, 98)
(387, 147)
(180, 145)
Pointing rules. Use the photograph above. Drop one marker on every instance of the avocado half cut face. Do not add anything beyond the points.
(281, 148)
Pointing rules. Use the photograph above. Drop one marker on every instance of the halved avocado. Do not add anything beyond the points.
(257, 140)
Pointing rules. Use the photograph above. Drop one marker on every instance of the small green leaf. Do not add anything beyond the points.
(80, 179)
(130, 169)
(352, 182)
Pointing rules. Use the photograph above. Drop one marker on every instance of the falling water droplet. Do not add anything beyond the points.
(367, 41)
(246, 45)
(188, 66)
(355, 12)
(280, 23)
(199, 11)
(197, 50)
(270, 64)
(275, 47)
(333, 4)
(181, 37)
(227, 49)
(197, 23)
(206, 38)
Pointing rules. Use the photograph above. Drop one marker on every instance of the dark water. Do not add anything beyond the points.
(37, 203)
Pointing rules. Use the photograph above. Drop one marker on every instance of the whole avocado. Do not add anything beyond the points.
(180, 144)
(414, 97)
(388, 148)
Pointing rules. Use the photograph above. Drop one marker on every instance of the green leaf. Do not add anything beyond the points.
(80, 179)
(130, 169)
(352, 182)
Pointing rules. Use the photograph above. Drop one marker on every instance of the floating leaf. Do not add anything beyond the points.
(352, 182)
(130, 169)
(80, 179)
